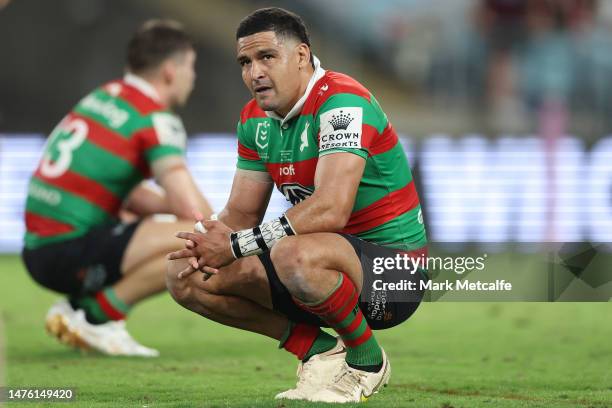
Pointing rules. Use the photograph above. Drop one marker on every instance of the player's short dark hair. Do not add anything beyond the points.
(154, 42)
(284, 23)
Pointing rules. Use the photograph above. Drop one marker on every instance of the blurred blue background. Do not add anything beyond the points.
(504, 104)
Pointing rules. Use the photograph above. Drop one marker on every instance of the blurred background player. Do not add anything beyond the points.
(325, 142)
(92, 169)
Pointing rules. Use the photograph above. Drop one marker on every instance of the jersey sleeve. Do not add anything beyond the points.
(349, 123)
(248, 158)
(162, 134)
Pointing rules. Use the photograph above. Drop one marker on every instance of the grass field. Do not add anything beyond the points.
(447, 355)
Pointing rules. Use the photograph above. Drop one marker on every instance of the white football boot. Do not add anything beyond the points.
(317, 371)
(71, 328)
(352, 385)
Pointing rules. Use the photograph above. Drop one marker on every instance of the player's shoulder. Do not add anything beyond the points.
(342, 83)
(334, 84)
(141, 103)
(251, 110)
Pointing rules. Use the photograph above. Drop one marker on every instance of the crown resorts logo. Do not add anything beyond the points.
(341, 121)
(341, 128)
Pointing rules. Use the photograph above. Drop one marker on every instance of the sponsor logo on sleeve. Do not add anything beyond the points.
(341, 128)
(169, 130)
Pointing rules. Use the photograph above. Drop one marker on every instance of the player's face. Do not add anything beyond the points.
(270, 70)
(184, 77)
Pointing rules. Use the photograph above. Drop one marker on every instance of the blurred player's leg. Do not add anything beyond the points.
(96, 319)
(142, 266)
(144, 262)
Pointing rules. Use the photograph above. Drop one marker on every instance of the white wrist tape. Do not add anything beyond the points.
(256, 241)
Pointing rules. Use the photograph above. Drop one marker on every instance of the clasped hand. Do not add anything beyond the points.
(206, 252)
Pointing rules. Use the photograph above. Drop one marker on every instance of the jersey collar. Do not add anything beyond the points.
(318, 74)
(142, 85)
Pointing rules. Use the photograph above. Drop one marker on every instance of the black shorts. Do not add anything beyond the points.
(81, 265)
(382, 308)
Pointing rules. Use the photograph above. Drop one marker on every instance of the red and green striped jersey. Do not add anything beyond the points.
(338, 114)
(93, 158)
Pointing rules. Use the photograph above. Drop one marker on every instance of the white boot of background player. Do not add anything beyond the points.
(71, 328)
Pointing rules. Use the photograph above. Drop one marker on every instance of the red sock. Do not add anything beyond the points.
(341, 311)
(300, 339)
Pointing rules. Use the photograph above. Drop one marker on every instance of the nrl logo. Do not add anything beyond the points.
(261, 134)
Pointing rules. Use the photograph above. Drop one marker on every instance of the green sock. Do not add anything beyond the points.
(101, 307)
(324, 342)
(340, 309)
(367, 355)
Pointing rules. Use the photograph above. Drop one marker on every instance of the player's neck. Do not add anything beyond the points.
(154, 87)
(305, 76)
(163, 92)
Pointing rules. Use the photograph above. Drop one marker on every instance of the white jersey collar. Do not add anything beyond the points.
(318, 74)
(142, 85)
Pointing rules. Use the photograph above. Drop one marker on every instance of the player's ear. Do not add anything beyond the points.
(168, 71)
(303, 52)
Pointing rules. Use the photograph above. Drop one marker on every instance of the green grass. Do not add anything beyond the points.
(447, 355)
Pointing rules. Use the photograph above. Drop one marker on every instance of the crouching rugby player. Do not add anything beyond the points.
(322, 138)
(92, 167)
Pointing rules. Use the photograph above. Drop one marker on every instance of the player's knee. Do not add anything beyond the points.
(203, 303)
(206, 304)
(216, 285)
(179, 289)
(291, 257)
(293, 263)
(233, 280)
(181, 294)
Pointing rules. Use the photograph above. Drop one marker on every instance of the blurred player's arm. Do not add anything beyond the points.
(182, 194)
(164, 140)
(248, 199)
(147, 199)
(329, 208)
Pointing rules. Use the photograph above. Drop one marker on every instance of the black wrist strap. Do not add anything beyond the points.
(261, 243)
(235, 245)
(286, 226)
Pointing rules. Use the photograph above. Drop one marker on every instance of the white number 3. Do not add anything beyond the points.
(79, 129)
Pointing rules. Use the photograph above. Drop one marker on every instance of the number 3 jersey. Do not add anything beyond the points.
(337, 114)
(99, 152)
